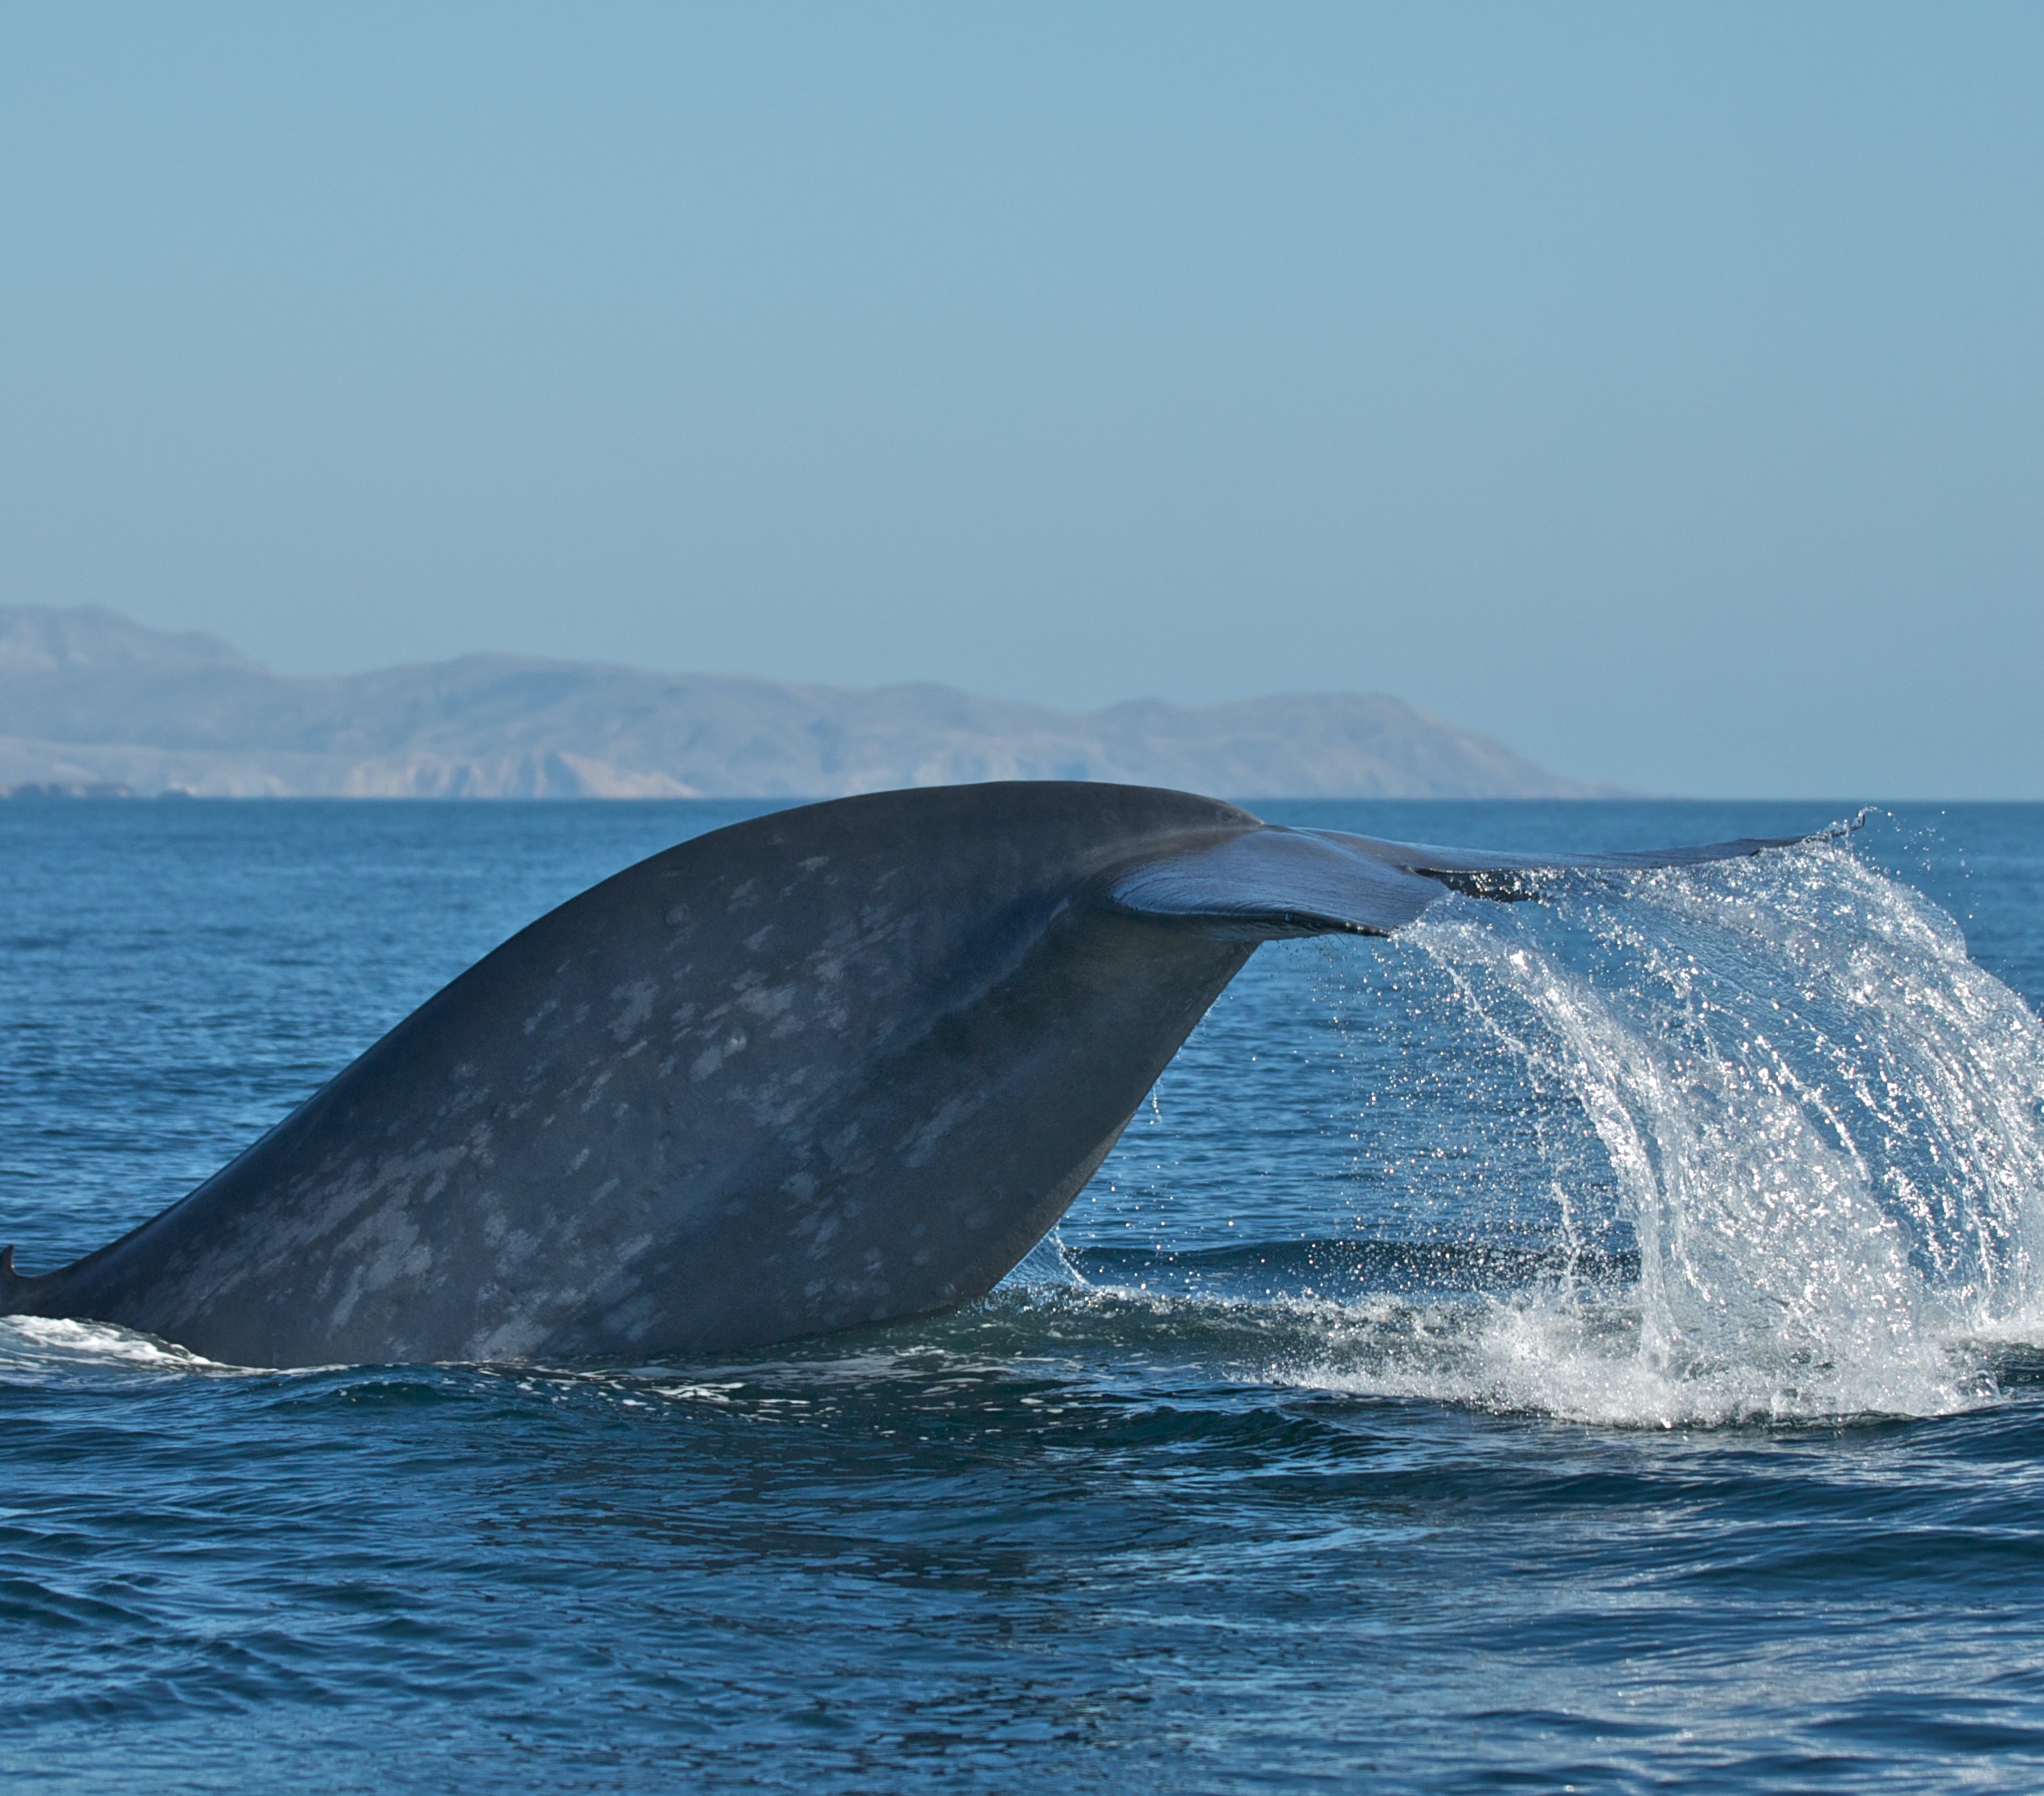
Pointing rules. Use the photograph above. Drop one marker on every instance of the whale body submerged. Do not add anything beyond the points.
(832, 1066)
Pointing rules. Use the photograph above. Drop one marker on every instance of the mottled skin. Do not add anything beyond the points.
(830, 1067)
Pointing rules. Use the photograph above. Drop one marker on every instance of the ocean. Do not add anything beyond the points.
(1592, 1344)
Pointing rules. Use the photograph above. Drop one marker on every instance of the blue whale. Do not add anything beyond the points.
(830, 1067)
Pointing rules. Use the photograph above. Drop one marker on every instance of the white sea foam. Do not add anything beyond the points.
(36, 1346)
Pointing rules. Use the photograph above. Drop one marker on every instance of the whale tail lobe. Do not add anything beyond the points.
(1275, 882)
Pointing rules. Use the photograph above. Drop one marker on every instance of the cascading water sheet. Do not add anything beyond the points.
(1821, 1129)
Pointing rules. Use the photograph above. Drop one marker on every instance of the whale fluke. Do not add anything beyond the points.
(835, 1065)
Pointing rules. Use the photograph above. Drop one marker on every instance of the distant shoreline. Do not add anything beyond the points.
(94, 704)
(34, 795)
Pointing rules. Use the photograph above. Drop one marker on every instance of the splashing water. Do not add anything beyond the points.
(42, 1350)
(1824, 1129)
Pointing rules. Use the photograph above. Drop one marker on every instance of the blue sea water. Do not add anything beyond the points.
(1592, 1344)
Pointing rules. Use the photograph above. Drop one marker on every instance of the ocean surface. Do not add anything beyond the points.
(1597, 1344)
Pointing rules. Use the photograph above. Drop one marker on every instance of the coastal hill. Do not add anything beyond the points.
(92, 703)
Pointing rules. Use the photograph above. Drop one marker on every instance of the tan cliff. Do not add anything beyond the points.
(92, 702)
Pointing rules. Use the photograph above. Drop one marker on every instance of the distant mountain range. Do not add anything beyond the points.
(92, 703)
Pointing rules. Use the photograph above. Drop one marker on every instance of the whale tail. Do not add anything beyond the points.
(1274, 881)
(827, 1067)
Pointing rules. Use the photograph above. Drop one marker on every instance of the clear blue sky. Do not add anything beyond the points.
(1660, 388)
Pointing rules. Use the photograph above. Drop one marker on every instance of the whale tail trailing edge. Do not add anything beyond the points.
(1275, 882)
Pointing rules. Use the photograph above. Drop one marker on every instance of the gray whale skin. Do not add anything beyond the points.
(829, 1067)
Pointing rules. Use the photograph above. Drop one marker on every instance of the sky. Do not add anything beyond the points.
(1659, 388)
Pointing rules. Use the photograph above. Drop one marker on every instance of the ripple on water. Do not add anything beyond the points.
(1586, 1342)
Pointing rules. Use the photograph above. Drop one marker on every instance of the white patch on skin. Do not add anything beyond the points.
(386, 1249)
(712, 1057)
(821, 1228)
(779, 1102)
(768, 1001)
(637, 997)
(920, 1147)
(633, 1317)
(508, 1340)
(518, 1246)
